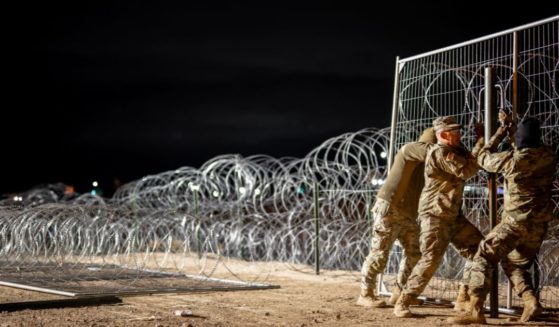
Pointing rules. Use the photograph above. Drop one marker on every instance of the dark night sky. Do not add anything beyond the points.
(106, 90)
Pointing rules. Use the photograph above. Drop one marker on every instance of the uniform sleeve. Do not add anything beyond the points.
(495, 162)
(478, 146)
(495, 140)
(456, 165)
(415, 151)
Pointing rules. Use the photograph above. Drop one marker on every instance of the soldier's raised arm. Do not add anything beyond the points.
(494, 162)
(487, 158)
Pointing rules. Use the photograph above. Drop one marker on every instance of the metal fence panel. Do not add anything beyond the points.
(450, 81)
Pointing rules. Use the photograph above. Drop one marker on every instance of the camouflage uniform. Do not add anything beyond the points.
(446, 170)
(528, 170)
(442, 222)
(528, 208)
(400, 193)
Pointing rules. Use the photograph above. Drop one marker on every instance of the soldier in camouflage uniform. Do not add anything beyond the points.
(528, 170)
(447, 167)
(395, 214)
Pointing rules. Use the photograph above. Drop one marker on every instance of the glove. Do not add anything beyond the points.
(504, 118)
(380, 209)
(511, 129)
(501, 131)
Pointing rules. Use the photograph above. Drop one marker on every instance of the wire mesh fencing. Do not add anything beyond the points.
(450, 81)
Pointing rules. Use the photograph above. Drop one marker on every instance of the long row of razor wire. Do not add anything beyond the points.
(258, 198)
(255, 209)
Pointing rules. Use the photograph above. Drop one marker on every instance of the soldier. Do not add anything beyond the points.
(528, 170)
(447, 167)
(395, 216)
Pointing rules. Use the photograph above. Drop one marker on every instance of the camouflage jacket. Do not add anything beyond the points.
(528, 177)
(405, 180)
(446, 171)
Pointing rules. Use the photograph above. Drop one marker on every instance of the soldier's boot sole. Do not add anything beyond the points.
(531, 312)
(474, 316)
(367, 301)
(467, 320)
(402, 312)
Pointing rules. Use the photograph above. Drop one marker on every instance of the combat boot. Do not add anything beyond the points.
(463, 299)
(396, 294)
(402, 306)
(532, 307)
(474, 316)
(367, 298)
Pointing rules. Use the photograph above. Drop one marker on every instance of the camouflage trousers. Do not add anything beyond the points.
(516, 246)
(436, 235)
(385, 231)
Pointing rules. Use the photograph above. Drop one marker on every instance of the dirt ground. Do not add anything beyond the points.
(304, 299)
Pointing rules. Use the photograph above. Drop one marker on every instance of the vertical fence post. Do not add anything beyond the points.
(368, 201)
(490, 107)
(395, 97)
(198, 222)
(316, 230)
(515, 54)
(240, 223)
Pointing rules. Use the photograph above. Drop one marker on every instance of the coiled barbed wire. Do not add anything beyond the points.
(255, 208)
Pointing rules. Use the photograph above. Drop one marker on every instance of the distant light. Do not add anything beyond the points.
(16, 198)
(383, 154)
(377, 181)
(93, 192)
(95, 184)
(242, 190)
(69, 189)
(257, 191)
(215, 194)
(21, 198)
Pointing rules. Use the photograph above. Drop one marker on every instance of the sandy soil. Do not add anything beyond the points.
(304, 299)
